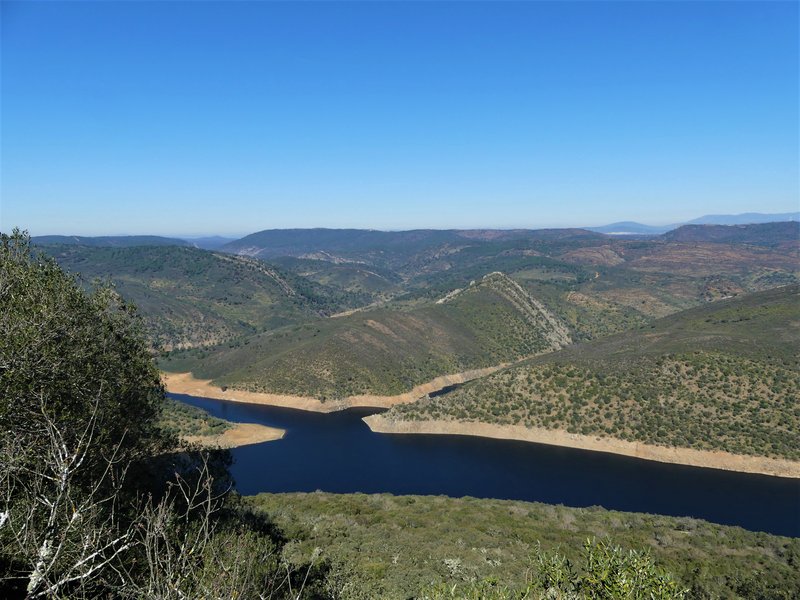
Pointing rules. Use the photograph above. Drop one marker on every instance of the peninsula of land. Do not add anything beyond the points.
(239, 434)
(713, 459)
(185, 383)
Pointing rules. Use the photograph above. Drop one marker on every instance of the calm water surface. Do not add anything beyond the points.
(337, 452)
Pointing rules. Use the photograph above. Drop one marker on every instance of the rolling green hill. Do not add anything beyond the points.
(191, 297)
(723, 376)
(386, 351)
(378, 248)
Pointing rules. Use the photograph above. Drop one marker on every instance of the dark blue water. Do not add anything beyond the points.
(337, 452)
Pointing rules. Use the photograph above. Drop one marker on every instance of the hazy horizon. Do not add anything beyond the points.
(241, 234)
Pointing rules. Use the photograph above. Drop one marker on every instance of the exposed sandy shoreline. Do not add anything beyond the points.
(683, 456)
(241, 434)
(185, 383)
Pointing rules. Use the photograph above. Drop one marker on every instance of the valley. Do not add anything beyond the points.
(678, 347)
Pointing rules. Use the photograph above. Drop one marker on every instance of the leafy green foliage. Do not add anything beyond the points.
(607, 573)
(398, 547)
(92, 503)
(72, 355)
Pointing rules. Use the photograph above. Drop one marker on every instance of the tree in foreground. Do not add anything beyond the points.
(94, 499)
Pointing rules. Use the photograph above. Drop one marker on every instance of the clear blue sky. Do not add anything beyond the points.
(231, 117)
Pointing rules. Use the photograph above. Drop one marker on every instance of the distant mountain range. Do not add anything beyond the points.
(745, 219)
(634, 228)
(108, 241)
(403, 250)
(315, 242)
(757, 234)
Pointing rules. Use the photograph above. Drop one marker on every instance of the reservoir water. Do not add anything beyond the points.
(337, 452)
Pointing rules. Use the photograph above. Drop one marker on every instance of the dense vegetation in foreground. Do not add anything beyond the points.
(94, 501)
(383, 546)
(720, 377)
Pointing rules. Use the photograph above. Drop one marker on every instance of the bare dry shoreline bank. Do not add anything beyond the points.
(682, 456)
(186, 383)
(240, 434)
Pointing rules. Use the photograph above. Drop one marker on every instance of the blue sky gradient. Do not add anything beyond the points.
(230, 117)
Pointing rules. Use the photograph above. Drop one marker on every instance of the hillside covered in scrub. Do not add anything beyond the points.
(719, 377)
(353, 313)
(191, 297)
(384, 546)
(385, 351)
(597, 284)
